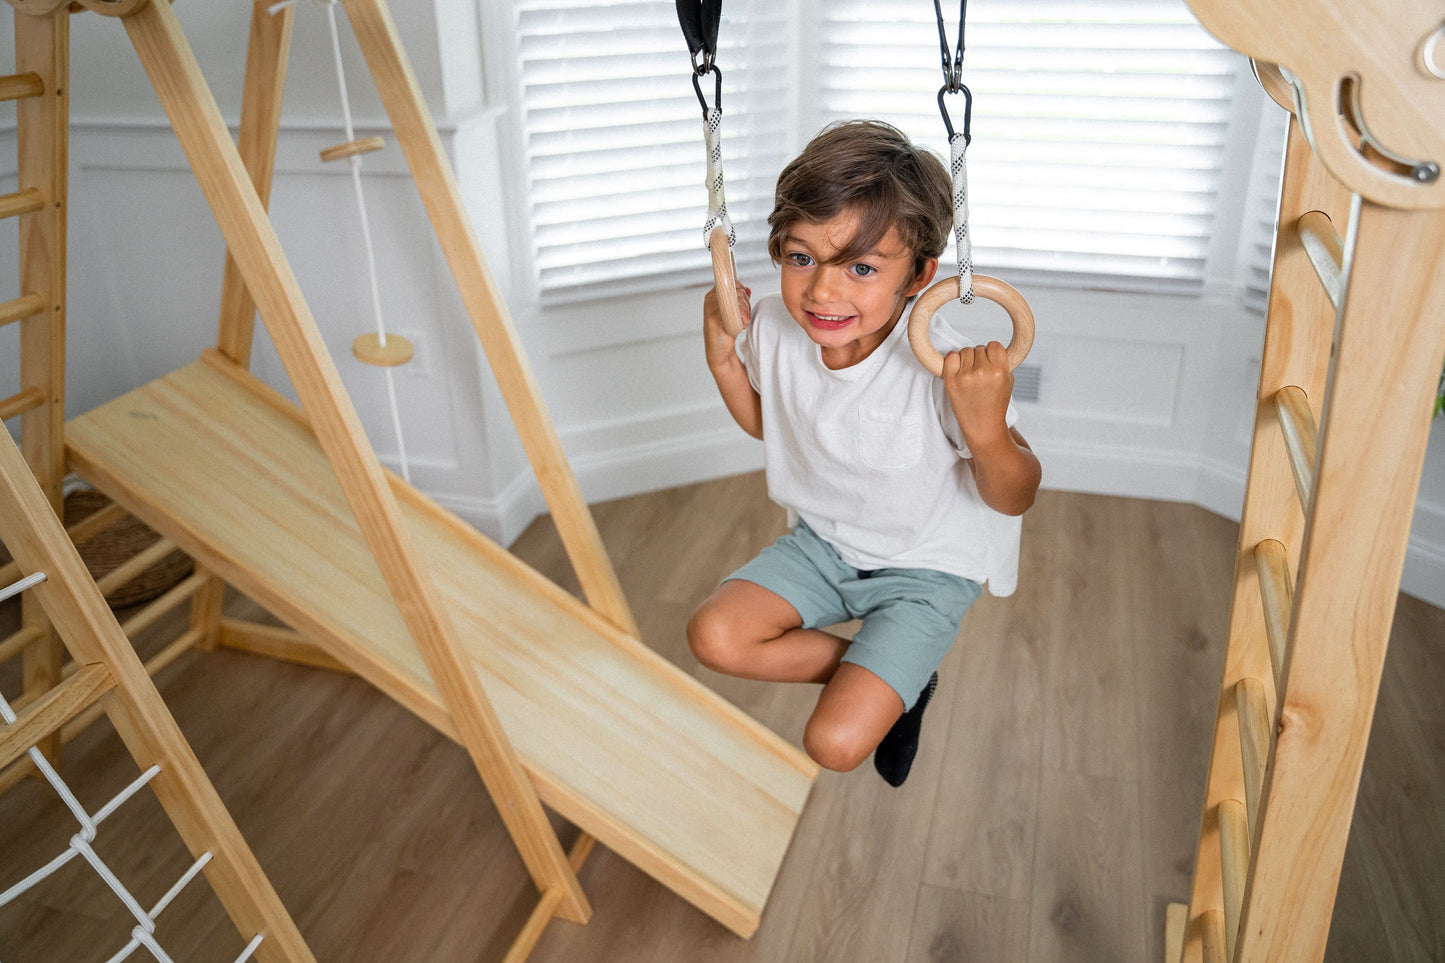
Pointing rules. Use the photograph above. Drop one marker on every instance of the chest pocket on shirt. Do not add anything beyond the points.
(888, 441)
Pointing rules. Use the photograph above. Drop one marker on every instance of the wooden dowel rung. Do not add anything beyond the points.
(53, 710)
(20, 86)
(581, 849)
(18, 404)
(1211, 935)
(147, 616)
(526, 940)
(1301, 439)
(133, 566)
(1254, 741)
(153, 665)
(1322, 243)
(20, 641)
(1234, 865)
(1276, 595)
(95, 523)
(18, 309)
(275, 643)
(21, 202)
(1176, 922)
(353, 148)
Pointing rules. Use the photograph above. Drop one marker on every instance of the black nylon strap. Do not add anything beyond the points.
(699, 20)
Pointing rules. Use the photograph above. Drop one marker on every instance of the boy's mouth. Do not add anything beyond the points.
(830, 322)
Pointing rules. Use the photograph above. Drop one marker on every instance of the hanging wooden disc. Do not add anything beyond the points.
(368, 349)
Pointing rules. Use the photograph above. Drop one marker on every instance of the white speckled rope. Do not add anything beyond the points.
(717, 205)
(143, 933)
(958, 144)
(355, 162)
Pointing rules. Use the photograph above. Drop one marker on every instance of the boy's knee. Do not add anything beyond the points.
(712, 639)
(840, 748)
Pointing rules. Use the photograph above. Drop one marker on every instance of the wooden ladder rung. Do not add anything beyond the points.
(147, 616)
(96, 522)
(18, 309)
(134, 566)
(21, 202)
(18, 404)
(183, 644)
(20, 641)
(1301, 439)
(353, 148)
(542, 914)
(1176, 922)
(20, 86)
(1211, 932)
(1254, 741)
(1234, 865)
(1276, 594)
(51, 711)
(1322, 243)
(276, 643)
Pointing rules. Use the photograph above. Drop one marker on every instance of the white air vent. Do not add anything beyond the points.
(1028, 380)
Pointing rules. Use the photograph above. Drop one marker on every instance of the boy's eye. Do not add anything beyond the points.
(863, 270)
(799, 259)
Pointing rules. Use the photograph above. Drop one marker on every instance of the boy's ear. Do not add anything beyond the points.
(924, 277)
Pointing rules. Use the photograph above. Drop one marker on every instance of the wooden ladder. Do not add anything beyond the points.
(109, 677)
(39, 87)
(1353, 349)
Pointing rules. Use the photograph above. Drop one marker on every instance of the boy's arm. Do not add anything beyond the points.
(742, 401)
(1005, 469)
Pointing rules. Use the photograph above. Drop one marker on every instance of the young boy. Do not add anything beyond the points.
(905, 488)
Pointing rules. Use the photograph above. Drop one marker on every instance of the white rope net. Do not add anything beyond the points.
(81, 844)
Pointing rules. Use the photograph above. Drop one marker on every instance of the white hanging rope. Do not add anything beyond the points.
(354, 162)
(717, 205)
(958, 144)
(143, 934)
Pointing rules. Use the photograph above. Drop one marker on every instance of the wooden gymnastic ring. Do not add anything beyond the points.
(725, 282)
(984, 286)
(113, 8)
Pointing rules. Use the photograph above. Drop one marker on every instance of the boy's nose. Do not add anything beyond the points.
(825, 282)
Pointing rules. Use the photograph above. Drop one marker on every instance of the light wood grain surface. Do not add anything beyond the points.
(615, 738)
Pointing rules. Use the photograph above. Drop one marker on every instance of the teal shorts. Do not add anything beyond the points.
(910, 615)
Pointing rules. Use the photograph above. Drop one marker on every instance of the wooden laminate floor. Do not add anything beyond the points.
(1050, 816)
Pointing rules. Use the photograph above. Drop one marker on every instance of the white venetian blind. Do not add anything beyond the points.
(1261, 209)
(613, 140)
(1099, 126)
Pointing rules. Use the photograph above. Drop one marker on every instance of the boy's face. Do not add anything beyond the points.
(850, 308)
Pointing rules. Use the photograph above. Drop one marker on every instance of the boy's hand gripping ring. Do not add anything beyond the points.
(984, 286)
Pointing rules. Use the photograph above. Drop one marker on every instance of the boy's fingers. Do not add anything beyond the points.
(997, 354)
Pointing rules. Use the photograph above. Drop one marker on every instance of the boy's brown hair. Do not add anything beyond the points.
(870, 167)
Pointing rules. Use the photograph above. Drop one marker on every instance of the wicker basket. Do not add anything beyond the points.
(117, 543)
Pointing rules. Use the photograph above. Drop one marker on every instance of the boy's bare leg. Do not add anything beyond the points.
(751, 632)
(854, 712)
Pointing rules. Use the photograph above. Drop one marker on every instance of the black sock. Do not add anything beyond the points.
(894, 755)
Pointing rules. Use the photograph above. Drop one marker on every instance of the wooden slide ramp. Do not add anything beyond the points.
(616, 739)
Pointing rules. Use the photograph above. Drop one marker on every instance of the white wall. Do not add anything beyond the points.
(1142, 394)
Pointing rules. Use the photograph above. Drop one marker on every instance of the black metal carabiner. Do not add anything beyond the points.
(697, 76)
(967, 112)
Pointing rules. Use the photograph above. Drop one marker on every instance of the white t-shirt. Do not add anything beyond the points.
(871, 456)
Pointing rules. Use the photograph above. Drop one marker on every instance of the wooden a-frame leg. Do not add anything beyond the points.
(213, 157)
(411, 121)
(267, 53)
(42, 47)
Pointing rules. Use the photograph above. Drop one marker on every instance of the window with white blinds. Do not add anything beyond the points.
(1099, 126)
(1100, 130)
(613, 140)
(1261, 208)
